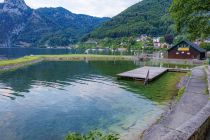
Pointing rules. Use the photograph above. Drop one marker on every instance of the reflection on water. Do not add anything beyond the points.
(52, 98)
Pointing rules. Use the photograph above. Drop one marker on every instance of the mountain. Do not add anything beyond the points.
(146, 17)
(25, 27)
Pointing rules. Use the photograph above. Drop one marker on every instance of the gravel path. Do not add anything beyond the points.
(193, 100)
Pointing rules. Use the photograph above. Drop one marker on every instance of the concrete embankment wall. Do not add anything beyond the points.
(203, 128)
(194, 129)
(189, 118)
(197, 127)
(201, 132)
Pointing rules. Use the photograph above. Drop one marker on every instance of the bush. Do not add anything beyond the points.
(169, 38)
(92, 135)
(205, 46)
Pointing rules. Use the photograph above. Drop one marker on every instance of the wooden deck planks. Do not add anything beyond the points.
(141, 73)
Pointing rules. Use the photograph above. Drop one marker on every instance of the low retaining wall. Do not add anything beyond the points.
(196, 128)
(182, 61)
(202, 132)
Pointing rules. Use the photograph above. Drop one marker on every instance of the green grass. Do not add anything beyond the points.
(22, 60)
(85, 57)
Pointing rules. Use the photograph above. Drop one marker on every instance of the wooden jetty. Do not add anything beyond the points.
(142, 73)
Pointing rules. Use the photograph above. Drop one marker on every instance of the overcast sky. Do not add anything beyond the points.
(100, 8)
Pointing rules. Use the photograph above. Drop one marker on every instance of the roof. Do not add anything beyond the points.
(195, 46)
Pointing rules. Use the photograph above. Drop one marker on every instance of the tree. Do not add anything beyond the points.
(169, 38)
(205, 46)
(191, 17)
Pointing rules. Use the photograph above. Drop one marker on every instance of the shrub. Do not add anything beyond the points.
(92, 135)
(205, 46)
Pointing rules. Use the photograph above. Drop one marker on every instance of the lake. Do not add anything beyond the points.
(16, 52)
(47, 100)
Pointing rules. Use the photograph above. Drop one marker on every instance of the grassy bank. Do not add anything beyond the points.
(73, 57)
(23, 60)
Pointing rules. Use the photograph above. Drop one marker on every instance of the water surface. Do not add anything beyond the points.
(47, 100)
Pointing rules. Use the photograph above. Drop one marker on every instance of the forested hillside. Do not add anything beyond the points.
(146, 17)
(21, 26)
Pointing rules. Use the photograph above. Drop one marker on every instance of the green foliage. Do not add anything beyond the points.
(146, 17)
(59, 41)
(191, 17)
(162, 40)
(86, 46)
(124, 42)
(92, 135)
(169, 38)
(179, 38)
(205, 46)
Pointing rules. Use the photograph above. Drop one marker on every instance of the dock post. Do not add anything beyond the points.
(147, 78)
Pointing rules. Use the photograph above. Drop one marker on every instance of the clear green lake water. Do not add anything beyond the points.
(47, 100)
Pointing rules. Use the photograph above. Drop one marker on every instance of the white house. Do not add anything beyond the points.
(156, 42)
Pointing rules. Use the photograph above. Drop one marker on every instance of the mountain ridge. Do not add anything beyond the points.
(22, 26)
(146, 17)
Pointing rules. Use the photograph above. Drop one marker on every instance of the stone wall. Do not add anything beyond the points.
(202, 132)
(196, 128)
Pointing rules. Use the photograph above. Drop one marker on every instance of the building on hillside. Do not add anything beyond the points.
(164, 46)
(207, 40)
(90, 41)
(198, 42)
(186, 50)
(156, 42)
(143, 38)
